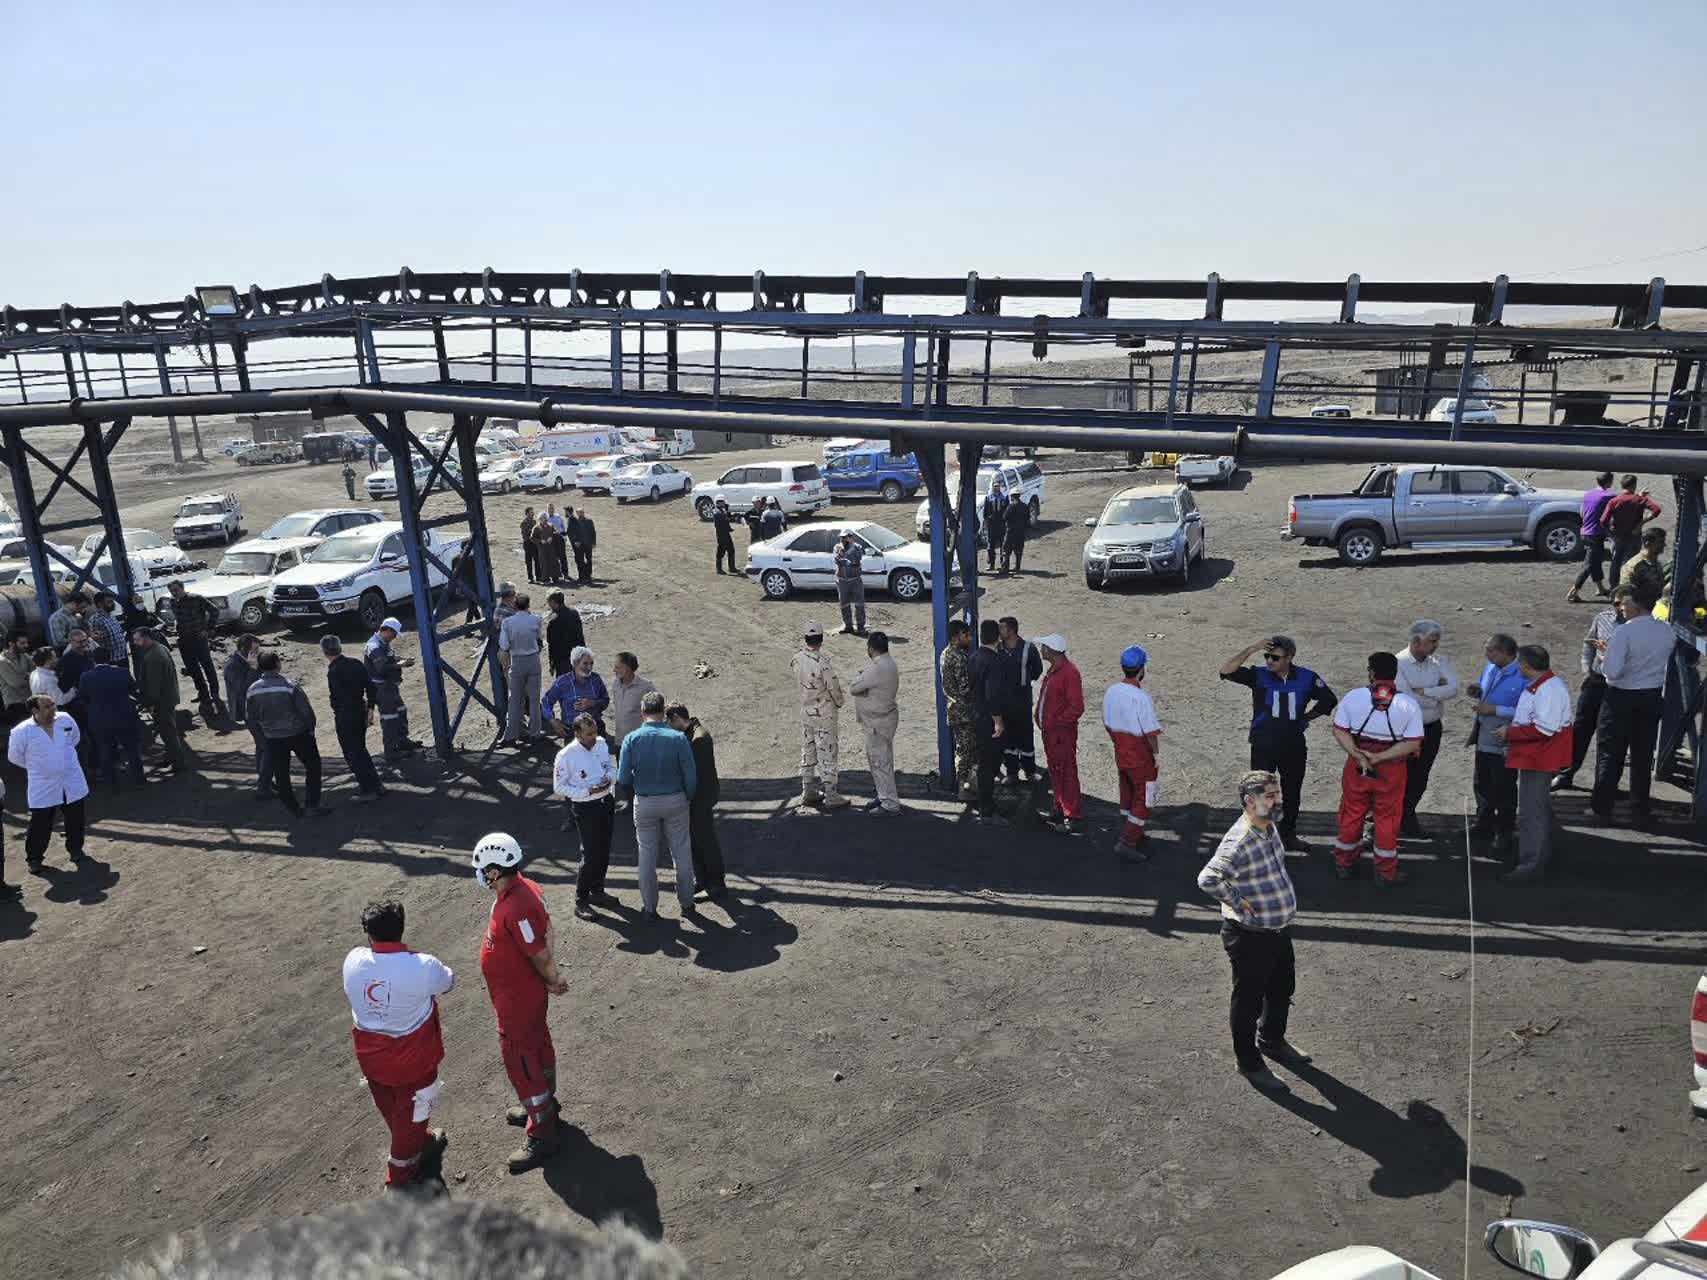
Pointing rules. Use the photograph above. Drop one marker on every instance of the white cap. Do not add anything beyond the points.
(1054, 640)
(392, 624)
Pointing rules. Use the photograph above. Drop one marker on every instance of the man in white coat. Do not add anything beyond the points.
(874, 690)
(45, 748)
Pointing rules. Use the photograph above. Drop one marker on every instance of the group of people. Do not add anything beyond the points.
(549, 540)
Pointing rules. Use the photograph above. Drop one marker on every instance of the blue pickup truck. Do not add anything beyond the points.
(872, 468)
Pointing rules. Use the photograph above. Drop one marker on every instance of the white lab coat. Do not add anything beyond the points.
(49, 758)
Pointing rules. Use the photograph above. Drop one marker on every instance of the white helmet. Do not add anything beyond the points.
(499, 849)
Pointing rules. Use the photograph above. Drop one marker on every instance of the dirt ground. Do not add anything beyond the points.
(925, 1050)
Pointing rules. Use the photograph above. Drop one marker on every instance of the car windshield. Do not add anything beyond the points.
(355, 546)
(505, 464)
(1157, 510)
(242, 564)
(636, 472)
(296, 526)
(881, 538)
(201, 509)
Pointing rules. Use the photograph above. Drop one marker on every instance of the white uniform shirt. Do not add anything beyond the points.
(579, 769)
(391, 992)
(1431, 682)
(1127, 709)
(46, 680)
(1547, 708)
(49, 757)
(1356, 714)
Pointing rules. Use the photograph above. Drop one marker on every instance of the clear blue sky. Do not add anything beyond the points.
(153, 146)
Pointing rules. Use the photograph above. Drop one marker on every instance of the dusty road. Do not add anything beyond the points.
(929, 1050)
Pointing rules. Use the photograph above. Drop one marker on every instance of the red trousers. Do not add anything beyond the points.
(408, 1135)
(1384, 793)
(531, 1063)
(1137, 794)
(1061, 755)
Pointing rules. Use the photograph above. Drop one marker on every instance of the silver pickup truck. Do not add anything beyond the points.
(1437, 507)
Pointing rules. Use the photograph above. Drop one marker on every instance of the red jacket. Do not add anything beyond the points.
(1061, 698)
(1527, 747)
(401, 1061)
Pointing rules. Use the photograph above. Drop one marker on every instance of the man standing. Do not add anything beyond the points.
(521, 976)
(113, 723)
(773, 523)
(1248, 876)
(874, 690)
(385, 674)
(1650, 564)
(1586, 719)
(1622, 519)
(1430, 679)
(578, 691)
(530, 549)
(990, 699)
(1538, 746)
(850, 584)
(1060, 706)
(393, 994)
(45, 748)
(954, 667)
(1014, 528)
(1285, 698)
(702, 828)
(754, 517)
(521, 636)
(585, 775)
(240, 671)
(1635, 664)
(106, 628)
(1379, 729)
(196, 618)
(280, 707)
(657, 765)
(1496, 694)
(821, 699)
(995, 518)
(583, 537)
(720, 524)
(350, 481)
(16, 664)
(1130, 718)
(1594, 536)
(627, 691)
(157, 691)
(1022, 665)
(563, 634)
(352, 698)
(506, 605)
(63, 619)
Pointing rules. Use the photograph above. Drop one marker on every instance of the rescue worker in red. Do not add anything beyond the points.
(393, 994)
(1060, 706)
(1379, 729)
(521, 975)
(1130, 718)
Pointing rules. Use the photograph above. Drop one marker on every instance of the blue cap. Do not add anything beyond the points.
(1133, 655)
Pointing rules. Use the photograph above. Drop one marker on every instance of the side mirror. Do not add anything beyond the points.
(1540, 1248)
(1514, 489)
(1192, 517)
(1090, 522)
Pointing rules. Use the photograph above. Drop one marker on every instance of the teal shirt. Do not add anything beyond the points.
(656, 761)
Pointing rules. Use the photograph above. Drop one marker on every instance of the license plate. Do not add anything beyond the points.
(1128, 562)
(293, 608)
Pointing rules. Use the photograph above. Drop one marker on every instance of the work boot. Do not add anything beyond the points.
(1263, 1079)
(1073, 826)
(518, 1114)
(533, 1153)
(1282, 1051)
(810, 799)
(835, 800)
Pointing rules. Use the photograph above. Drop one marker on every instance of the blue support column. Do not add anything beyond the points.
(408, 504)
(99, 447)
(933, 468)
(971, 454)
(29, 520)
(467, 430)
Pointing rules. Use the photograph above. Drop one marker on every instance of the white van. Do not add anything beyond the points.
(575, 442)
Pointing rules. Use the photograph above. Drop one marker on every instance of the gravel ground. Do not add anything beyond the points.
(926, 1050)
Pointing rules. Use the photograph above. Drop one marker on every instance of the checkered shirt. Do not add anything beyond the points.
(1248, 870)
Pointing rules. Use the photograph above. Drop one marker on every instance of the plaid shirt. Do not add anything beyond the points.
(107, 632)
(1248, 871)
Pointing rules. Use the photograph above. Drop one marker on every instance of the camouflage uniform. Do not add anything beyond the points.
(821, 699)
(956, 670)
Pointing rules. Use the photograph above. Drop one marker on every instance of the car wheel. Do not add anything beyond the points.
(687, 486)
(1559, 539)
(557, 485)
(776, 584)
(371, 609)
(507, 488)
(1360, 546)
(704, 507)
(654, 493)
(622, 502)
(254, 614)
(906, 584)
(1093, 580)
(1036, 509)
(891, 491)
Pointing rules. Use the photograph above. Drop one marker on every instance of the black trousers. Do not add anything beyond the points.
(1013, 556)
(1418, 768)
(308, 751)
(595, 820)
(1622, 549)
(41, 827)
(1594, 545)
(1019, 740)
(1496, 793)
(584, 565)
(352, 741)
(1629, 725)
(199, 659)
(1265, 974)
(1287, 757)
(1586, 719)
(726, 547)
(707, 850)
(530, 558)
(990, 755)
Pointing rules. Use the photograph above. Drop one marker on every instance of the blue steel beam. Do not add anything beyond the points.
(932, 467)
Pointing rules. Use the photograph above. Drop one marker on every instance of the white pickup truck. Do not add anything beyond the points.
(358, 575)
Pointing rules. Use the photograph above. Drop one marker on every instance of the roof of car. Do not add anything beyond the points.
(1163, 490)
(208, 497)
(274, 544)
(317, 512)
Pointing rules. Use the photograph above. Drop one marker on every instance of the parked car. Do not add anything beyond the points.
(232, 447)
(321, 523)
(502, 476)
(1479, 412)
(649, 480)
(147, 549)
(871, 468)
(359, 574)
(803, 559)
(1437, 506)
(1205, 468)
(333, 446)
(556, 472)
(595, 476)
(257, 455)
(382, 481)
(15, 562)
(798, 487)
(238, 586)
(581, 443)
(1021, 480)
(674, 445)
(1145, 531)
(208, 517)
(1331, 411)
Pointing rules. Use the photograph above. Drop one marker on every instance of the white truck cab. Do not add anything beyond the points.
(359, 574)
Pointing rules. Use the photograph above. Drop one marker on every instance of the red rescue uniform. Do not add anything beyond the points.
(1130, 718)
(1060, 706)
(517, 931)
(1376, 720)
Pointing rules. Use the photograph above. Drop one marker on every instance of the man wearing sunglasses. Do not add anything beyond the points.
(1284, 699)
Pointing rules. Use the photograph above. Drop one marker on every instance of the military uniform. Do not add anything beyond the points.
(821, 698)
(955, 665)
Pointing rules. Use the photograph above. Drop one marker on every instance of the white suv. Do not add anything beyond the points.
(798, 487)
(208, 517)
(1022, 480)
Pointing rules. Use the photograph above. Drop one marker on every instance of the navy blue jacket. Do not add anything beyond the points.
(1281, 709)
(110, 694)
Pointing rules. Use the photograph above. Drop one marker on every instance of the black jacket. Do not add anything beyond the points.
(352, 691)
(562, 635)
(582, 533)
(1014, 527)
(704, 750)
(720, 522)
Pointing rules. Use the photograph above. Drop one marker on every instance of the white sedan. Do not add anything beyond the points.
(804, 559)
(556, 473)
(15, 563)
(595, 475)
(502, 476)
(147, 549)
(650, 480)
